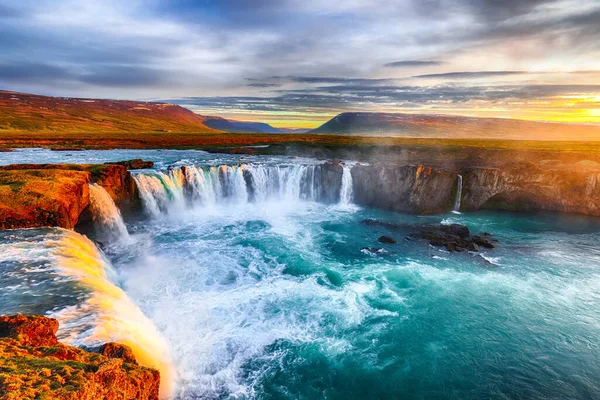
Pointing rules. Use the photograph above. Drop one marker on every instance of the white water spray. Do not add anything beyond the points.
(346, 191)
(458, 194)
(107, 217)
(232, 184)
(108, 314)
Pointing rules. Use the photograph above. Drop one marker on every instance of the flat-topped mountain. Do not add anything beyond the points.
(446, 126)
(30, 112)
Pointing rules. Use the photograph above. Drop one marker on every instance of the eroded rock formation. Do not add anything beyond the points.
(409, 188)
(527, 187)
(37, 195)
(517, 187)
(34, 365)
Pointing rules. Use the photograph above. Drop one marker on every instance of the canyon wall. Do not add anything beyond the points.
(409, 188)
(527, 187)
(515, 187)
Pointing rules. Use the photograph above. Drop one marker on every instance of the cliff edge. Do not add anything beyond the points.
(35, 365)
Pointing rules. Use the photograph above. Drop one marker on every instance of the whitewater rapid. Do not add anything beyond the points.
(173, 190)
(248, 279)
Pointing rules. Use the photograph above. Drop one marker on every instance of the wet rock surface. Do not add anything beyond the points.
(453, 237)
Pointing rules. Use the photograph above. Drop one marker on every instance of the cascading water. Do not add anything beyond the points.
(107, 217)
(456, 208)
(346, 191)
(93, 308)
(259, 300)
(231, 184)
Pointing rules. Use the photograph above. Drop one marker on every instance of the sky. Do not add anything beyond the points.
(296, 63)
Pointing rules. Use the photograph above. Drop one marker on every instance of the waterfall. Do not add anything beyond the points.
(106, 313)
(346, 191)
(458, 194)
(107, 217)
(209, 186)
(161, 192)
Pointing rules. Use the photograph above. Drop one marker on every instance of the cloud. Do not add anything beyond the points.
(470, 74)
(263, 84)
(412, 63)
(303, 55)
(368, 97)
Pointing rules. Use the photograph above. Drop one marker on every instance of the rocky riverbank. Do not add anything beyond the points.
(35, 365)
(37, 195)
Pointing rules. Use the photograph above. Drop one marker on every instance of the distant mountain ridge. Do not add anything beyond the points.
(447, 126)
(30, 112)
(233, 126)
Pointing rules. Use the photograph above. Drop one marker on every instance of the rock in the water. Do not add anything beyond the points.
(456, 229)
(453, 237)
(386, 239)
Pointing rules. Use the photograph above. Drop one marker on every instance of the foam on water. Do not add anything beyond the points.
(97, 310)
(261, 290)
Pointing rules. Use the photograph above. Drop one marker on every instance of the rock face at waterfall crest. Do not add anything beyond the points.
(515, 187)
(37, 195)
(34, 365)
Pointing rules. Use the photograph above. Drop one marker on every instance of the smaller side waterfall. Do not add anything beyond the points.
(458, 194)
(346, 190)
(107, 217)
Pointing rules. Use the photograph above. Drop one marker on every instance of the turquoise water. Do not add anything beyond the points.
(278, 300)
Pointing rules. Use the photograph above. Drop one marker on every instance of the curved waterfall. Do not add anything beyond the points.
(66, 277)
(208, 186)
(107, 217)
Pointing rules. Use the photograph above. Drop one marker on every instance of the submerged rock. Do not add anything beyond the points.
(386, 239)
(453, 237)
(34, 365)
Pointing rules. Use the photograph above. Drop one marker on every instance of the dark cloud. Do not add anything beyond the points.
(470, 74)
(263, 84)
(107, 75)
(412, 63)
(346, 97)
(487, 10)
(32, 72)
(123, 76)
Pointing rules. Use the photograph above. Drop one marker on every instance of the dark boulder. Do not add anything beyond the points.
(386, 239)
(453, 237)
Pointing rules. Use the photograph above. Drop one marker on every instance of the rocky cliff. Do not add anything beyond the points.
(35, 195)
(408, 188)
(34, 365)
(527, 187)
(517, 187)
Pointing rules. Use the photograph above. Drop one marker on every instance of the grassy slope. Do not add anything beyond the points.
(21, 112)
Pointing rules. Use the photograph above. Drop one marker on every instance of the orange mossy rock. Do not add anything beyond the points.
(34, 198)
(34, 365)
(29, 330)
(39, 195)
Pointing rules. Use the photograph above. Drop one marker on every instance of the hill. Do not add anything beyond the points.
(30, 112)
(233, 126)
(445, 126)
